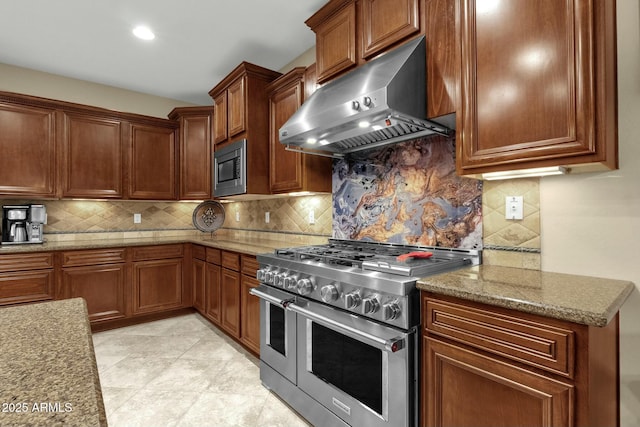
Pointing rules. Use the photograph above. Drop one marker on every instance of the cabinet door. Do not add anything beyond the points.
(198, 277)
(102, 287)
(530, 84)
(230, 301)
(220, 133)
(443, 57)
(195, 157)
(250, 310)
(336, 43)
(157, 285)
(28, 147)
(26, 286)
(387, 22)
(212, 292)
(91, 157)
(465, 388)
(236, 107)
(286, 166)
(152, 169)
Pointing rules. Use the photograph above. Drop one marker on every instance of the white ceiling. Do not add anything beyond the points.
(198, 42)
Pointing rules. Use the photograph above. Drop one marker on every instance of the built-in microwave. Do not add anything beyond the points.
(230, 169)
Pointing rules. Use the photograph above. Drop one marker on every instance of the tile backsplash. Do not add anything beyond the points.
(407, 193)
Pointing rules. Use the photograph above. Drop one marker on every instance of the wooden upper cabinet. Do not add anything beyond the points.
(386, 22)
(538, 85)
(28, 147)
(152, 162)
(220, 133)
(92, 156)
(336, 47)
(195, 151)
(236, 107)
(239, 96)
(351, 32)
(443, 57)
(292, 171)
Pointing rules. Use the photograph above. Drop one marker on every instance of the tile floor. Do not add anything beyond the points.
(183, 372)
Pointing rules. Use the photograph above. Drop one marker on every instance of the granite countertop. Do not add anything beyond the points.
(580, 299)
(250, 246)
(48, 371)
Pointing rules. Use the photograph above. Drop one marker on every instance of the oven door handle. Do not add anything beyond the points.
(269, 298)
(390, 345)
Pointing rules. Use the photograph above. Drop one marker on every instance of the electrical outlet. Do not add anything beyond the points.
(514, 207)
(237, 216)
(312, 217)
(137, 218)
(267, 217)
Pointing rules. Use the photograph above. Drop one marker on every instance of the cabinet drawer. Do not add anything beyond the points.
(213, 256)
(19, 262)
(93, 257)
(157, 252)
(231, 260)
(198, 252)
(249, 265)
(530, 342)
(28, 286)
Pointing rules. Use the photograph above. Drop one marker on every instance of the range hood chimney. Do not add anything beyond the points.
(381, 102)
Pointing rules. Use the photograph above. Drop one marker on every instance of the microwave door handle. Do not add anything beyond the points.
(391, 345)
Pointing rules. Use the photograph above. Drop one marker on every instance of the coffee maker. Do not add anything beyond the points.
(23, 224)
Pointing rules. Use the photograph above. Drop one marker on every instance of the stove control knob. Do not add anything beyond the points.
(329, 293)
(352, 300)
(291, 282)
(305, 286)
(260, 275)
(370, 305)
(268, 276)
(391, 311)
(278, 279)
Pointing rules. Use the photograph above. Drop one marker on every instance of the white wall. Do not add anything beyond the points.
(45, 85)
(590, 224)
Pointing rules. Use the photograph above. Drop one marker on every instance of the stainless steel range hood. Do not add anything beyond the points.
(381, 102)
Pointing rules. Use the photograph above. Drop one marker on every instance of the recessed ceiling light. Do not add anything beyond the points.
(143, 33)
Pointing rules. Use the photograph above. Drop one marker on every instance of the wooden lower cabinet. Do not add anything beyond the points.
(250, 315)
(469, 389)
(198, 278)
(26, 286)
(102, 287)
(489, 366)
(157, 286)
(100, 277)
(213, 280)
(230, 301)
(26, 278)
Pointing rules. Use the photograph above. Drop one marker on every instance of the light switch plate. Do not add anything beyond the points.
(267, 217)
(312, 217)
(237, 216)
(514, 207)
(137, 218)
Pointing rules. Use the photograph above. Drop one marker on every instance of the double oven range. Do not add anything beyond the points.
(339, 327)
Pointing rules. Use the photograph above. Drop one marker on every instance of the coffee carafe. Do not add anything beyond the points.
(18, 232)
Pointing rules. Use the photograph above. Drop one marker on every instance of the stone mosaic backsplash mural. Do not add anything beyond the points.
(407, 193)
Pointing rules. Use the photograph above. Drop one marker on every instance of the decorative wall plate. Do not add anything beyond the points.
(208, 216)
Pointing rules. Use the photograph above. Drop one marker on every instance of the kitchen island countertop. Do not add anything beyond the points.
(48, 371)
(585, 300)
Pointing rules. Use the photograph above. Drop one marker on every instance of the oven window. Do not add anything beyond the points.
(348, 364)
(276, 328)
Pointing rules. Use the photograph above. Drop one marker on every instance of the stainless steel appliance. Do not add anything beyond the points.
(230, 169)
(339, 328)
(23, 224)
(380, 102)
